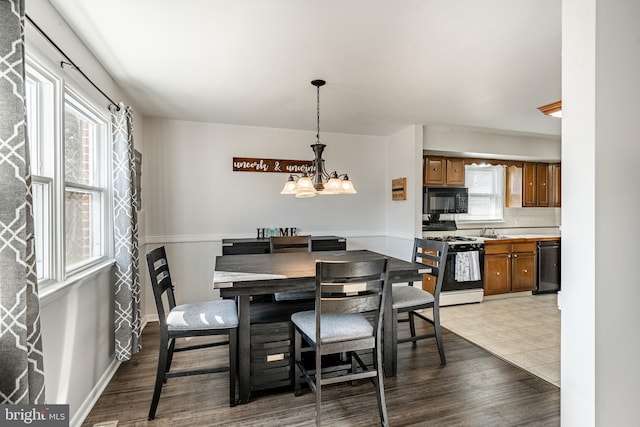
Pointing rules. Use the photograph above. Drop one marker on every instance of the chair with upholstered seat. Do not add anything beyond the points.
(345, 291)
(284, 244)
(410, 299)
(219, 317)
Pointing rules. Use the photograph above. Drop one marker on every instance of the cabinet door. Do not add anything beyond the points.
(556, 185)
(455, 172)
(429, 283)
(523, 276)
(542, 184)
(529, 184)
(497, 274)
(514, 187)
(434, 171)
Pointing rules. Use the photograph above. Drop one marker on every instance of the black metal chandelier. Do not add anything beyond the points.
(318, 181)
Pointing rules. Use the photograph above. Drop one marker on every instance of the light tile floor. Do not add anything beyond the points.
(523, 330)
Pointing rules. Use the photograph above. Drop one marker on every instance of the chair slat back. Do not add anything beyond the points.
(278, 244)
(432, 253)
(161, 281)
(350, 287)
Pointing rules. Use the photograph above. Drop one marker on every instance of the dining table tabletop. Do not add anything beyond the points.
(245, 276)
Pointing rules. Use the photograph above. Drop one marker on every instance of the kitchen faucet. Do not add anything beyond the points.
(484, 232)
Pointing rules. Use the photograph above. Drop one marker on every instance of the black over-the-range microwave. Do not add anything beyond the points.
(445, 200)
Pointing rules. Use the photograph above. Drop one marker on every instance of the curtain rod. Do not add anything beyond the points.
(70, 62)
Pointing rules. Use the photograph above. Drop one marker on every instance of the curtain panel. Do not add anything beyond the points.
(127, 273)
(21, 357)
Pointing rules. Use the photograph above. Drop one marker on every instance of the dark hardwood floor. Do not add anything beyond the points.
(475, 388)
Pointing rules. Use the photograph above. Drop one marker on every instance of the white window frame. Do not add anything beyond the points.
(496, 198)
(58, 274)
(98, 188)
(45, 130)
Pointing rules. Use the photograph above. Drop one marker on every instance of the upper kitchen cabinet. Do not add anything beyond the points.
(541, 185)
(455, 172)
(443, 171)
(556, 185)
(513, 192)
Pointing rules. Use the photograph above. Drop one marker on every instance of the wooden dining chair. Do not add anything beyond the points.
(219, 317)
(345, 293)
(284, 244)
(410, 299)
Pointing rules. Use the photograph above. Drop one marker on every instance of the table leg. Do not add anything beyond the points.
(244, 350)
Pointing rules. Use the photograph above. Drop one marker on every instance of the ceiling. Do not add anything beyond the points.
(388, 64)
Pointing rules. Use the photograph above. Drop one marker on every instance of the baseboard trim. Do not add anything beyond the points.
(84, 409)
(103, 382)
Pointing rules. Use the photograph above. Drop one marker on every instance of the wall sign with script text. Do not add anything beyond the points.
(250, 164)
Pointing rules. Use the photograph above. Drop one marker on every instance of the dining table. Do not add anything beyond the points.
(243, 277)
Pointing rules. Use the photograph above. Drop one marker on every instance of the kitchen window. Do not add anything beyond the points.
(68, 143)
(486, 193)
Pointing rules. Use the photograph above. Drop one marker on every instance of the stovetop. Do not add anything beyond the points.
(453, 239)
(460, 243)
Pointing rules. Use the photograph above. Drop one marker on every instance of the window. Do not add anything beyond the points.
(39, 90)
(84, 137)
(486, 193)
(68, 143)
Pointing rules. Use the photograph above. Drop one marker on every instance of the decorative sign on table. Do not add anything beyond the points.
(250, 164)
(399, 189)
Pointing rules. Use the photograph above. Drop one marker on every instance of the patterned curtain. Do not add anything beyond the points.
(21, 359)
(127, 286)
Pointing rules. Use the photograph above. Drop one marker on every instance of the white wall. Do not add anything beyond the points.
(600, 317)
(404, 217)
(491, 143)
(193, 197)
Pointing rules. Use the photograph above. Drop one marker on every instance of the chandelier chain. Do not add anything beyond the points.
(318, 113)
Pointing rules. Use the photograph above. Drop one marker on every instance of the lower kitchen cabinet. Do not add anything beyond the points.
(509, 267)
(429, 283)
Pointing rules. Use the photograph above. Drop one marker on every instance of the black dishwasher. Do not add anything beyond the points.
(548, 267)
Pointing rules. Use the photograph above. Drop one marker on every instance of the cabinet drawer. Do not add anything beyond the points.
(328, 244)
(497, 248)
(524, 247)
(271, 355)
(246, 248)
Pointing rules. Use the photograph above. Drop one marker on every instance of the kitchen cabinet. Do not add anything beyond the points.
(429, 283)
(455, 172)
(429, 280)
(434, 171)
(542, 187)
(556, 185)
(513, 192)
(541, 184)
(509, 267)
(443, 171)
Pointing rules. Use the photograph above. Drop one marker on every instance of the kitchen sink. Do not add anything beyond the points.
(495, 236)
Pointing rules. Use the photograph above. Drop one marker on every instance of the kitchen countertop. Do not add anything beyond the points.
(542, 235)
(518, 238)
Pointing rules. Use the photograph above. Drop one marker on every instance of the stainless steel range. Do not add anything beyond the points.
(464, 271)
